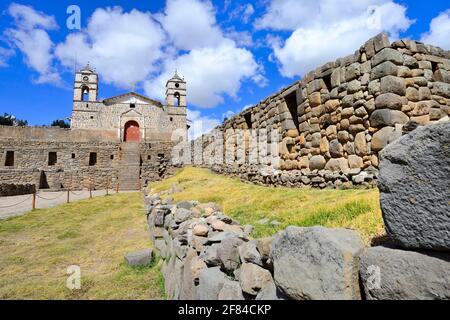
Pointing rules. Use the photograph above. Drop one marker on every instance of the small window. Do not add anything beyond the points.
(112, 157)
(9, 161)
(73, 155)
(149, 157)
(87, 105)
(132, 106)
(171, 119)
(93, 158)
(161, 155)
(52, 158)
(92, 117)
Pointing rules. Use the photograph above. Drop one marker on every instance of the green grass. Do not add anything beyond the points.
(248, 203)
(37, 248)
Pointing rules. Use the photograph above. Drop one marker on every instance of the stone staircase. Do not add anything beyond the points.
(130, 163)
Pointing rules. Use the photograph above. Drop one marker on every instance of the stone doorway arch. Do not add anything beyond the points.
(132, 132)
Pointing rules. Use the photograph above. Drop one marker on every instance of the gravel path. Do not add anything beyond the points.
(19, 205)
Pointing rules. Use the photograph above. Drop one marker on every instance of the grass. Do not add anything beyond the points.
(37, 248)
(248, 203)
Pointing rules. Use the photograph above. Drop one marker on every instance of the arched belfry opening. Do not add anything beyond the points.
(177, 99)
(132, 132)
(85, 94)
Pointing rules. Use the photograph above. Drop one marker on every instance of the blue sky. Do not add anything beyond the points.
(232, 53)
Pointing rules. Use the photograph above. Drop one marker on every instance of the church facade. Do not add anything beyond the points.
(120, 142)
(133, 116)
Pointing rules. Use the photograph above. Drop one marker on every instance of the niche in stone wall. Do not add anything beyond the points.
(291, 102)
(248, 120)
(434, 68)
(9, 159)
(327, 80)
(43, 183)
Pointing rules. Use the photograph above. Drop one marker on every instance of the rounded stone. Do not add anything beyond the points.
(387, 117)
(317, 162)
(200, 230)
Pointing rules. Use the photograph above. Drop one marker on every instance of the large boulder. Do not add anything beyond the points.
(414, 181)
(228, 253)
(248, 252)
(253, 278)
(387, 117)
(317, 263)
(139, 258)
(390, 274)
(231, 290)
(211, 281)
(270, 292)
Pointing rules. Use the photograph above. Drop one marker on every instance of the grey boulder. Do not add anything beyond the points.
(211, 281)
(231, 290)
(253, 278)
(228, 253)
(414, 181)
(270, 292)
(317, 263)
(390, 274)
(139, 258)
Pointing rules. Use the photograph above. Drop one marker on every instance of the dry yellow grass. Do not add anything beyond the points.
(36, 249)
(248, 203)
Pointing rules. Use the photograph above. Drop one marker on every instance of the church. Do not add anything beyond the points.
(122, 142)
(133, 116)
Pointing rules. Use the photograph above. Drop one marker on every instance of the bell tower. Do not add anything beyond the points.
(176, 91)
(86, 85)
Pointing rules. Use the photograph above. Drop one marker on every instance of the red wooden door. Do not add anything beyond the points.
(132, 132)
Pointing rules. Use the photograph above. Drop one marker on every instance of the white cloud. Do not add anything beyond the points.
(30, 36)
(123, 46)
(191, 24)
(228, 114)
(248, 12)
(242, 38)
(242, 12)
(210, 73)
(439, 33)
(27, 18)
(200, 124)
(335, 29)
(5, 54)
(214, 66)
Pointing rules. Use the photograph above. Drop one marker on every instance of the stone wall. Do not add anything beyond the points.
(332, 124)
(209, 256)
(31, 150)
(7, 190)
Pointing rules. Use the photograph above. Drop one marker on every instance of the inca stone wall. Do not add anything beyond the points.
(209, 256)
(71, 165)
(332, 124)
